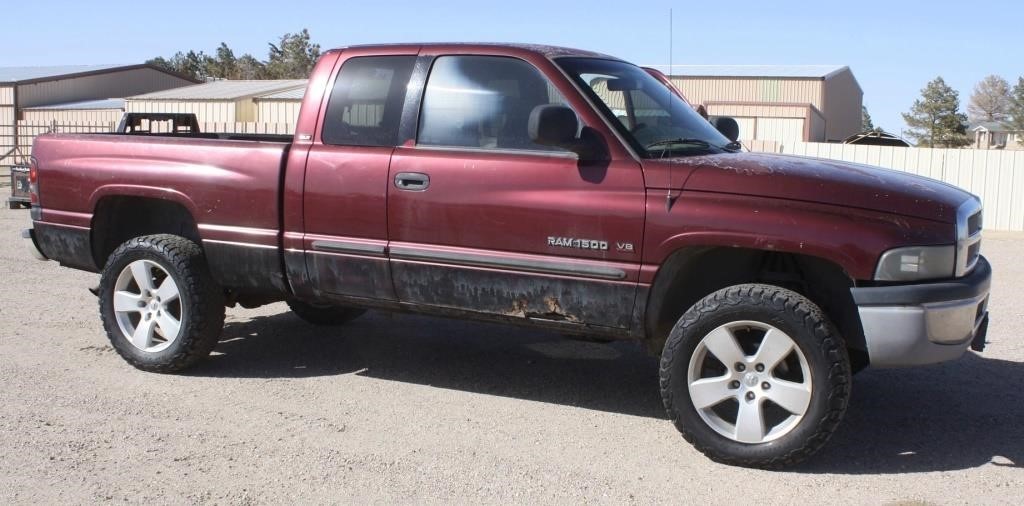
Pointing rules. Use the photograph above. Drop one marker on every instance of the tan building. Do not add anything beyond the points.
(90, 112)
(995, 135)
(24, 88)
(776, 103)
(280, 107)
(224, 101)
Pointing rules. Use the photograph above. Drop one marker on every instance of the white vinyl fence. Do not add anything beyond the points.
(994, 175)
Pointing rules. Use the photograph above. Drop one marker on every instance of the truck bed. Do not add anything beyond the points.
(228, 182)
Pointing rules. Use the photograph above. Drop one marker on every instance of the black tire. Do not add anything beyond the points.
(808, 328)
(201, 302)
(324, 315)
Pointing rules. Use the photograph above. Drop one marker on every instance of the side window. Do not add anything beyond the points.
(365, 106)
(483, 102)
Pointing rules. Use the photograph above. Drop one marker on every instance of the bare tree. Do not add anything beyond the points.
(990, 100)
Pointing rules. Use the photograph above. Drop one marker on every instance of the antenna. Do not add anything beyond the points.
(668, 102)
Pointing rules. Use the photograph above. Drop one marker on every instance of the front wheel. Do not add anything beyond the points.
(755, 375)
(160, 307)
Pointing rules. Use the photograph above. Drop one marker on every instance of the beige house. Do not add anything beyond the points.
(24, 89)
(995, 135)
(224, 101)
(776, 103)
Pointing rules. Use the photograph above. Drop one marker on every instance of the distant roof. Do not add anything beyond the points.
(877, 138)
(224, 90)
(54, 72)
(107, 103)
(292, 94)
(781, 71)
(991, 126)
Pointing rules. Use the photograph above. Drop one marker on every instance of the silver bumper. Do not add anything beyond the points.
(925, 324)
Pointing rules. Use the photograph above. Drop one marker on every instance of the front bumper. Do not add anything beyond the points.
(33, 246)
(908, 325)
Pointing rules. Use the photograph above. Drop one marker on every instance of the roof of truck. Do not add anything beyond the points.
(546, 50)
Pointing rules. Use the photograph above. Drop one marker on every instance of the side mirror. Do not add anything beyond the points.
(727, 126)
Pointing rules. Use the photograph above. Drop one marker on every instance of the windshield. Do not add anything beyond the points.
(656, 121)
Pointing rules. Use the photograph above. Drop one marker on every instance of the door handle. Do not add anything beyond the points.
(412, 181)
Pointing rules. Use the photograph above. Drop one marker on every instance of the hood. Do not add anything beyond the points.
(822, 181)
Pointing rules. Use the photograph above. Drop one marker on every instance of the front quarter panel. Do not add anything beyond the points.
(850, 238)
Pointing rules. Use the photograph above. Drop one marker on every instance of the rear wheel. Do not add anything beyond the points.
(755, 375)
(324, 314)
(160, 307)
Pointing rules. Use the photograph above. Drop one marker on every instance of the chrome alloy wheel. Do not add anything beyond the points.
(147, 305)
(749, 382)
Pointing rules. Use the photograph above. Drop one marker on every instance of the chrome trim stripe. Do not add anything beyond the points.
(357, 248)
(238, 230)
(539, 266)
(242, 244)
(64, 225)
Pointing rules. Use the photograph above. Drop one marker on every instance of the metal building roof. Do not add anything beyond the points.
(18, 74)
(107, 103)
(292, 94)
(777, 71)
(224, 90)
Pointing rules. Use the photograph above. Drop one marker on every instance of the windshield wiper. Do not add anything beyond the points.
(682, 140)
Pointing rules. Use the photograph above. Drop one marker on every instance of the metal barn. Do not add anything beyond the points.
(777, 103)
(281, 107)
(27, 88)
(224, 101)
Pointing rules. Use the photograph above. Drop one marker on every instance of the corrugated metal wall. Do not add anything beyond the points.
(71, 116)
(765, 122)
(843, 99)
(245, 110)
(108, 85)
(699, 90)
(277, 111)
(206, 111)
(6, 123)
(995, 176)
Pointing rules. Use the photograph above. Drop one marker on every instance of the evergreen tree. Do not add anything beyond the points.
(935, 119)
(1015, 119)
(293, 57)
(866, 125)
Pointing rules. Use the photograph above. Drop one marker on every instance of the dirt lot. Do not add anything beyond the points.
(406, 409)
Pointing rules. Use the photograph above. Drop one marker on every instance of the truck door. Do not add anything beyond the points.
(482, 219)
(345, 188)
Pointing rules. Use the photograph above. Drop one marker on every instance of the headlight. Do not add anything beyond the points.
(916, 263)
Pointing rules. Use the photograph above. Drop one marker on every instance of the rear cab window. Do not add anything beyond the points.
(365, 106)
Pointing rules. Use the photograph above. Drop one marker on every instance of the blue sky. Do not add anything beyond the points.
(894, 48)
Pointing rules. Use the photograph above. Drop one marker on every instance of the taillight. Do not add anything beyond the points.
(33, 180)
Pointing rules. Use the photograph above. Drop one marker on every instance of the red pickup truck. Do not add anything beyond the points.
(540, 186)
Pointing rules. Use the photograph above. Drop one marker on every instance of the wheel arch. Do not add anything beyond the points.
(691, 273)
(118, 218)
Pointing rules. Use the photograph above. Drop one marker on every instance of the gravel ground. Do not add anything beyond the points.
(397, 408)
